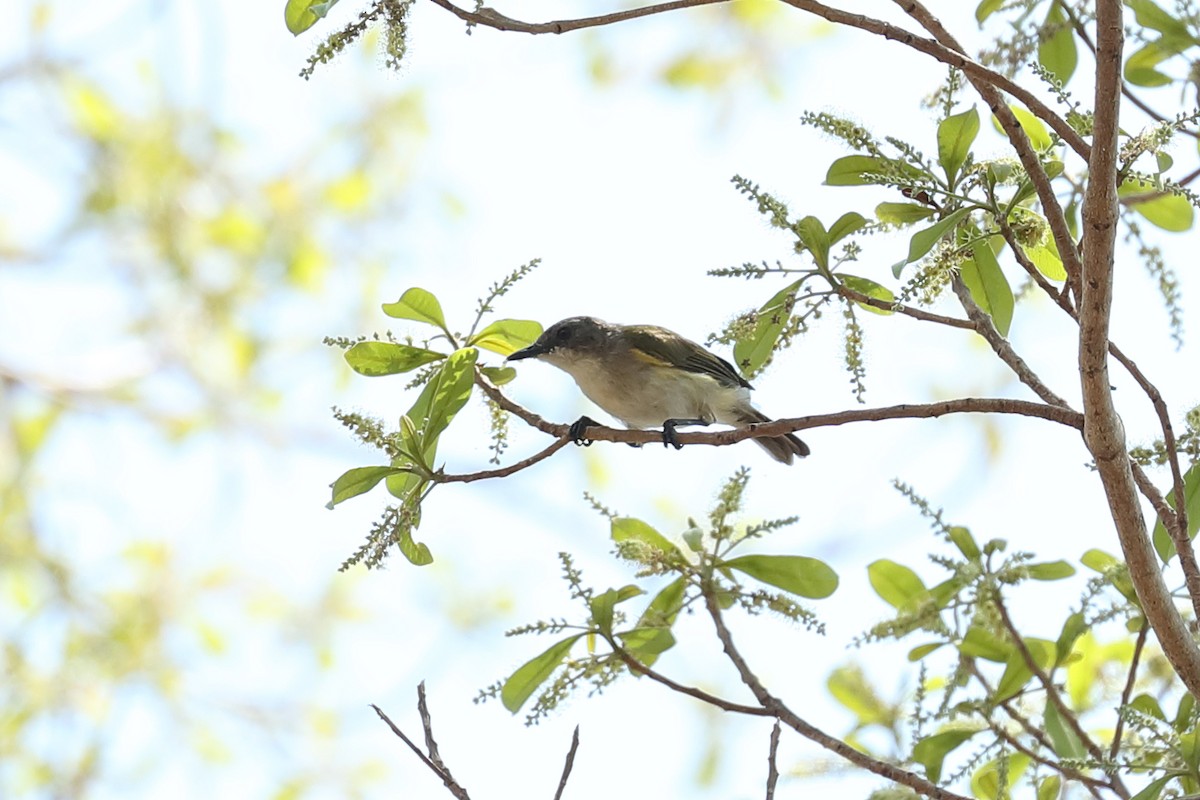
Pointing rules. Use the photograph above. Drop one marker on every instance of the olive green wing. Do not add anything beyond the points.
(660, 346)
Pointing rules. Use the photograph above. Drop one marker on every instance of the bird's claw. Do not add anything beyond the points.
(668, 435)
(577, 430)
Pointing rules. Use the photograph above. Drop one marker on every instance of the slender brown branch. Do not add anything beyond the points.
(900, 308)
(570, 762)
(699, 694)
(772, 768)
(1000, 346)
(1127, 692)
(1103, 431)
(430, 744)
(504, 472)
(1093, 785)
(774, 705)
(456, 790)
(492, 18)
(1052, 693)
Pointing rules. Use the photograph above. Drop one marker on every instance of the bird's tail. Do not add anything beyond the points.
(782, 448)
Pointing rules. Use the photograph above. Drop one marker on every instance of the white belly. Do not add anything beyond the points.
(648, 395)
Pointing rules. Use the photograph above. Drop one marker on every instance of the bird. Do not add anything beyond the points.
(647, 376)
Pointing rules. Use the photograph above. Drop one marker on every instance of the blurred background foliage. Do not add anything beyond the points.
(181, 268)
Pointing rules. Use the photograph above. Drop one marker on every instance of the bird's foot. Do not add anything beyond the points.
(668, 433)
(579, 428)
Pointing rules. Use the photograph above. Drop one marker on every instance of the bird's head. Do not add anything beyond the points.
(570, 340)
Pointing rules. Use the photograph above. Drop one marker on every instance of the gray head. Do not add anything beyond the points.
(569, 339)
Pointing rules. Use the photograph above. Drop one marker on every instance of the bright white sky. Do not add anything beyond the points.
(624, 193)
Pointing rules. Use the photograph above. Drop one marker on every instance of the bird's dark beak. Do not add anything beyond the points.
(533, 351)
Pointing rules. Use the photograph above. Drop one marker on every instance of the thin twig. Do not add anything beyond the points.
(772, 769)
(639, 668)
(776, 707)
(900, 308)
(456, 790)
(1128, 690)
(427, 725)
(570, 762)
(503, 472)
(1052, 693)
(1000, 346)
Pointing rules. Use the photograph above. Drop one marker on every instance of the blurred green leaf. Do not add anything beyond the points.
(1039, 137)
(931, 751)
(1141, 68)
(986, 781)
(955, 135)
(499, 375)
(979, 642)
(815, 238)
(646, 644)
(624, 529)
(1171, 212)
(1049, 788)
(964, 541)
(374, 359)
(507, 336)
(895, 583)
(300, 15)
(800, 575)
(1050, 570)
(986, 8)
(1064, 740)
(1153, 790)
(1017, 673)
(521, 685)
(1191, 492)
(849, 686)
(845, 225)
(1058, 52)
(919, 652)
(417, 304)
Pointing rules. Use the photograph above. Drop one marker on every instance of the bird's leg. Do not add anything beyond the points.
(669, 426)
(578, 428)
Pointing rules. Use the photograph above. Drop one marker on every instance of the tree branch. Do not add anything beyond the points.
(1127, 692)
(772, 768)
(768, 701)
(900, 308)
(435, 766)
(570, 762)
(1103, 431)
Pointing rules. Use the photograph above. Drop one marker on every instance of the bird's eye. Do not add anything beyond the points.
(563, 334)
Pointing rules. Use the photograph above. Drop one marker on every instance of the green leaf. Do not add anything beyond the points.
(1050, 570)
(355, 481)
(986, 8)
(1046, 259)
(1149, 15)
(1065, 742)
(1153, 790)
(752, 352)
(895, 583)
(507, 336)
(1191, 493)
(374, 359)
(982, 643)
(499, 375)
(453, 388)
(1049, 788)
(956, 133)
(964, 541)
(1039, 137)
(1098, 560)
(923, 241)
(1058, 53)
(1074, 627)
(902, 213)
(417, 304)
(919, 652)
(646, 644)
(1171, 212)
(988, 286)
(1141, 67)
(800, 575)
(871, 289)
(1148, 705)
(1183, 713)
(845, 225)
(665, 607)
(300, 15)
(602, 605)
(848, 170)
(985, 783)
(521, 685)
(416, 552)
(815, 238)
(850, 687)
(1017, 673)
(931, 751)
(624, 529)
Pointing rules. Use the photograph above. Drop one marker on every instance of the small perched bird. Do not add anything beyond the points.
(648, 376)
